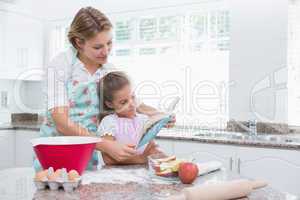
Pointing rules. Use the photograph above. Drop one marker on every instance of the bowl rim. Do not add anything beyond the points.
(65, 140)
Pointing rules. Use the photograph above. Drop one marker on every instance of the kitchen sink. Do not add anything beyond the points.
(244, 136)
(221, 134)
(278, 139)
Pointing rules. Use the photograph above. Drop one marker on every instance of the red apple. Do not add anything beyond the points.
(188, 172)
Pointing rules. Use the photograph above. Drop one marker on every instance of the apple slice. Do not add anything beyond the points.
(156, 167)
(167, 173)
(173, 165)
(167, 159)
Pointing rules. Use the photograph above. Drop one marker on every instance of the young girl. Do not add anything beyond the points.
(118, 118)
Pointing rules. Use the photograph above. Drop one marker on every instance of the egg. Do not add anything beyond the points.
(41, 175)
(64, 175)
(73, 175)
(54, 176)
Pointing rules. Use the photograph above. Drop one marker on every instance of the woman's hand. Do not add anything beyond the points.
(116, 150)
(121, 152)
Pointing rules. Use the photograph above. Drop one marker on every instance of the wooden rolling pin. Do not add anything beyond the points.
(220, 191)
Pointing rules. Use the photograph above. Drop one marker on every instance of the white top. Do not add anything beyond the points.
(67, 67)
(110, 124)
(124, 130)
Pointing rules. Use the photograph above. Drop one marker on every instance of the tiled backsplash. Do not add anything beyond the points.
(261, 127)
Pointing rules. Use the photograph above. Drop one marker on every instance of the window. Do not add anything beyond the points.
(294, 62)
(199, 26)
(178, 51)
(209, 30)
(148, 29)
(123, 52)
(147, 51)
(124, 30)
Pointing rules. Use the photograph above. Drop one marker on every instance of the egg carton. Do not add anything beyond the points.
(61, 180)
(55, 185)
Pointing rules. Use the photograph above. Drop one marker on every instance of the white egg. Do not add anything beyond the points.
(41, 175)
(73, 175)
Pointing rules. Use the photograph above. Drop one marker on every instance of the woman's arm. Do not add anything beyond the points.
(108, 160)
(136, 159)
(67, 127)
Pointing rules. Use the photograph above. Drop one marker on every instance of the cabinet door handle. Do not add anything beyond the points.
(230, 163)
(239, 165)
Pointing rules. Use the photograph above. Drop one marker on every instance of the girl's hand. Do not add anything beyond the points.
(159, 115)
(171, 124)
(151, 148)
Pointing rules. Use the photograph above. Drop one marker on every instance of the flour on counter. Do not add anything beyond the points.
(120, 175)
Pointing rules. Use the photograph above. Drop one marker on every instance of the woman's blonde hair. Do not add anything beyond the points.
(86, 24)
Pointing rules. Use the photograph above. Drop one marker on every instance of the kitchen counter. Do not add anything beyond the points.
(284, 141)
(20, 126)
(115, 183)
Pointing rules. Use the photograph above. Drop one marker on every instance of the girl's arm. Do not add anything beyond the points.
(67, 127)
(153, 148)
(147, 110)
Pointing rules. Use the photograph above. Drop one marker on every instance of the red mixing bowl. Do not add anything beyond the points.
(70, 152)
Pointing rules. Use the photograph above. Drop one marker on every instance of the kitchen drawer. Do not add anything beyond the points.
(7, 149)
(24, 150)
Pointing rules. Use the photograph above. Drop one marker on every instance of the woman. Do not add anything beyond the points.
(72, 77)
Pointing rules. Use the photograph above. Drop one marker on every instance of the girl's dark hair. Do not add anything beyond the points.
(108, 85)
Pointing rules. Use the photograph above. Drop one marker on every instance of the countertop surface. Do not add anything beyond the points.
(280, 141)
(284, 141)
(115, 183)
(20, 126)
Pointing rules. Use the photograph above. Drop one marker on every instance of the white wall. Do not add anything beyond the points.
(30, 96)
(8, 85)
(258, 48)
(258, 52)
(35, 96)
(57, 9)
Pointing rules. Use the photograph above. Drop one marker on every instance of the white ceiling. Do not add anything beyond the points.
(62, 9)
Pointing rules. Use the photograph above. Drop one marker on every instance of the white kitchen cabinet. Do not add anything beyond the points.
(281, 168)
(24, 150)
(22, 45)
(7, 149)
(1, 40)
(17, 184)
(204, 152)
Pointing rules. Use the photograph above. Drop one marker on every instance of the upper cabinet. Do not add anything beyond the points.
(1, 40)
(21, 40)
